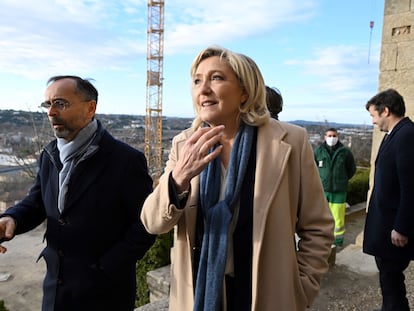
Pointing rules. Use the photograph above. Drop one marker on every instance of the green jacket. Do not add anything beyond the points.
(336, 166)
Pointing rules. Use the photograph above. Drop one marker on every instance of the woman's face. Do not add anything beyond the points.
(217, 93)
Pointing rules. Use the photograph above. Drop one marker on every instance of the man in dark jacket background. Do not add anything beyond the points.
(336, 167)
(389, 224)
(90, 189)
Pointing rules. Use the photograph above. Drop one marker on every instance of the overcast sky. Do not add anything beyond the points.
(322, 54)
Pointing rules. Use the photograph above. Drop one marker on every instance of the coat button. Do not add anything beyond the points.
(60, 281)
(60, 253)
(62, 221)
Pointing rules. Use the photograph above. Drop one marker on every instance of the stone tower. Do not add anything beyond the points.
(397, 58)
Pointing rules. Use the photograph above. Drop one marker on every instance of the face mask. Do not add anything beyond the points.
(331, 141)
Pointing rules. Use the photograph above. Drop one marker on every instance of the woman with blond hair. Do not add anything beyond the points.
(236, 188)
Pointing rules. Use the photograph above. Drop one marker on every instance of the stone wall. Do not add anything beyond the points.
(397, 62)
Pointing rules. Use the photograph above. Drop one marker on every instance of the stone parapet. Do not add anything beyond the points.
(161, 305)
(159, 283)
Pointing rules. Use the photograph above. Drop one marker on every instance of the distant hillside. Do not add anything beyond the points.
(26, 118)
(304, 123)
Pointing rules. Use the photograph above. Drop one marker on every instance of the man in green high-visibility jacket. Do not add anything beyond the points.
(336, 167)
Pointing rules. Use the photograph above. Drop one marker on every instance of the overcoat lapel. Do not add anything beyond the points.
(272, 153)
(84, 176)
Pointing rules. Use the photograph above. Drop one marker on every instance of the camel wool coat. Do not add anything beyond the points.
(288, 199)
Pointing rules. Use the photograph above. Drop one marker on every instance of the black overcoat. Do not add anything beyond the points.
(93, 246)
(391, 205)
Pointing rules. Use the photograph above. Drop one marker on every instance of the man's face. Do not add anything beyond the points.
(69, 112)
(331, 138)
(379, 119)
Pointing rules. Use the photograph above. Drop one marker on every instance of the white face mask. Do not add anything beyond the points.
(331, 141)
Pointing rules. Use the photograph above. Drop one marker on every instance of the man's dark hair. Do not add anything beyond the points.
(390, 99)
(274, 101)
(82, 86)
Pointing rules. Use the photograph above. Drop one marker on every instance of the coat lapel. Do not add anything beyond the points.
(272, 158)
(272, 153)
(85, 175)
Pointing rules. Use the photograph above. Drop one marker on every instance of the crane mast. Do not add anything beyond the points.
(155, 58)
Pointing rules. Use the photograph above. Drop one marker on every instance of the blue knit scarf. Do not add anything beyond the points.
(217, 218)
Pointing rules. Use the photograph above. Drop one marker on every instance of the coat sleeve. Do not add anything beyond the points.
(315, 226)
(350, 164)
(405, 167)
(159, 213)
(30, 211)
(136, 240)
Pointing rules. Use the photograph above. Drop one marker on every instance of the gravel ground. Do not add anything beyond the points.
(21, 275)
(343, 289)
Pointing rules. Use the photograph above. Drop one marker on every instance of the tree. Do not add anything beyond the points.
(26, 151)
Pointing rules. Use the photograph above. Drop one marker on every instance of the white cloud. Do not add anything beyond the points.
(108, 40)
(224, 21)
(339, 81)
(339, 68)
(40, 38)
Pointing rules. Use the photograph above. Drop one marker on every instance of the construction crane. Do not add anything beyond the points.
(155, 59)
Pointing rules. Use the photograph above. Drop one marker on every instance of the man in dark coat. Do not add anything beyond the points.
(90, 189)
(389, 229)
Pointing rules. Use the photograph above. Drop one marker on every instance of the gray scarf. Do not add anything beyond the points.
(69, 153)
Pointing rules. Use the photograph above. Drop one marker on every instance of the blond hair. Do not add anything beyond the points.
(254, 111)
